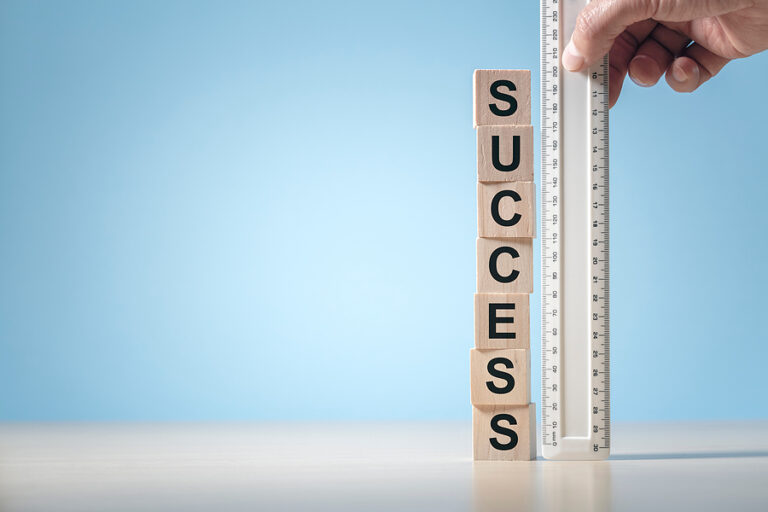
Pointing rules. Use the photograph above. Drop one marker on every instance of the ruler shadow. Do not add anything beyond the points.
(693, 455)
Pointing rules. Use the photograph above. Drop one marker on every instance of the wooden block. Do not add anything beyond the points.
(500, 377)
(504, 265)
(502, 96)
(505, 153)
(502, 320)
(506, 210)
(504, 432)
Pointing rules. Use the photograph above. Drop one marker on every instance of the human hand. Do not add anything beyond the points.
(690, 40)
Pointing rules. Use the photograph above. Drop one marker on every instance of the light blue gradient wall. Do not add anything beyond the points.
(267, 211)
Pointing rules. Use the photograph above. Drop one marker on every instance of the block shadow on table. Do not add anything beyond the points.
(569, 486)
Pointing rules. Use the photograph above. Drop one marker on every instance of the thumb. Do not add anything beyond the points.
(602, 21)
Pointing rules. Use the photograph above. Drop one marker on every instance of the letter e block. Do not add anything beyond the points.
(500, 377)
(502, 96)
(504, 265)
(502, 320)
(504, 432)
(506, 210)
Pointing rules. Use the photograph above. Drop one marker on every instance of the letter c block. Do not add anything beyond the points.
(504, 265)
(506, 210)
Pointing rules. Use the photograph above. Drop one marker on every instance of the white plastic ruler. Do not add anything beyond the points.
(575, 400)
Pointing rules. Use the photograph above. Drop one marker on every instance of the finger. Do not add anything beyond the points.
(693, 68)
(622, 51)
(601, 21)
(598, 25)
(655, 55)
(615, 83)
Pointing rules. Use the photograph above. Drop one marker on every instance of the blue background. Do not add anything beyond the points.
(267, 211)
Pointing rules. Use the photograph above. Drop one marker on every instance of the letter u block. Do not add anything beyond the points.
(504, 153)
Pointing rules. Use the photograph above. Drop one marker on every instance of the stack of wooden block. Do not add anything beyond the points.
(504, 420)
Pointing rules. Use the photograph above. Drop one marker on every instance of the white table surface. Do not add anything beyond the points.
(370, 466)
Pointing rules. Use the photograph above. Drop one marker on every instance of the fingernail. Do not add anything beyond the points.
(572, 59)
(680, 74)
(643, 70)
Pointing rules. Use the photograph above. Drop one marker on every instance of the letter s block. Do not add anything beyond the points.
(506, 210)
(504, 265)
(500, 377)
(502, 96)
(504, 432)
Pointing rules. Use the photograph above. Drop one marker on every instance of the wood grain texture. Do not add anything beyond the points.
(504, 265)
(500, 377)
(502, 96)
(506, 210)
(496, 437)
(502, 320)
(505, 153)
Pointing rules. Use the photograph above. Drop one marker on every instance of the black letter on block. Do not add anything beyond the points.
(496, 93)
(495, 208)
(515, 154)
(504, 431)
(500, 374)
(493, 320)
(493, 263)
